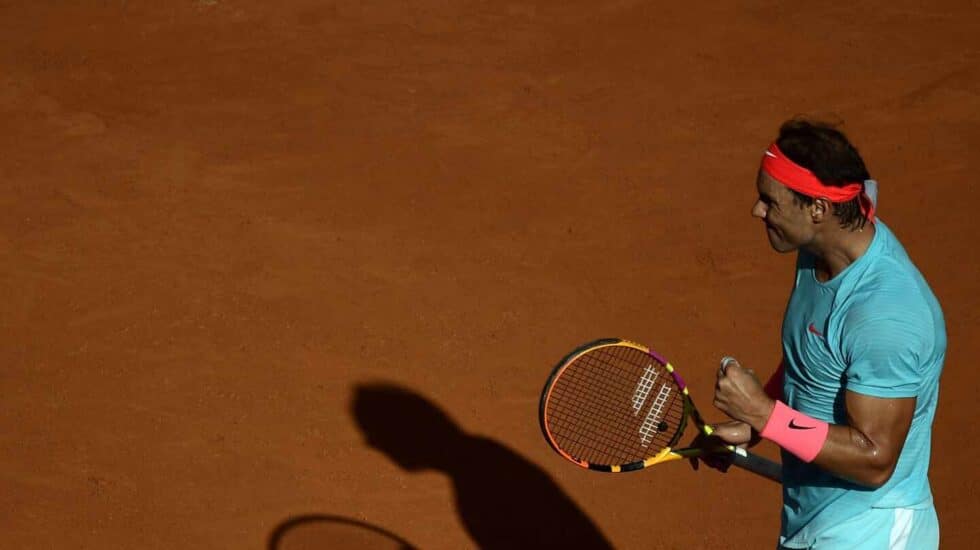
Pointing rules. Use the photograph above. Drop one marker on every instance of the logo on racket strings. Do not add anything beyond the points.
(652, 423)
(643, 388)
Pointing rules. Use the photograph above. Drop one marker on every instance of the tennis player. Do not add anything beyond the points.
(863, 337)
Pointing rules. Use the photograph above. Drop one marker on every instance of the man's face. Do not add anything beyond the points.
(788, 224)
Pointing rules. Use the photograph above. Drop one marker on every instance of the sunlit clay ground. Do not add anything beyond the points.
(268, 261)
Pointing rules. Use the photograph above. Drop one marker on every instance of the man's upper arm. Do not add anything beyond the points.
(883, 422)
(884, 345)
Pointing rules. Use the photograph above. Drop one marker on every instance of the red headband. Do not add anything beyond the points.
(797, 178)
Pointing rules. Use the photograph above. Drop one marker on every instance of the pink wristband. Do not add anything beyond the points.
(796, 432)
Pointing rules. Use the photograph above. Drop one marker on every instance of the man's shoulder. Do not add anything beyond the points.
(880, 304)
(889, 280)
(890, 291)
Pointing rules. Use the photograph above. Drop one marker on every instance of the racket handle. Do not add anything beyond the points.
(758, 465)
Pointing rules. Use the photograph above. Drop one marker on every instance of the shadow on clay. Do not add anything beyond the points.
(316, 531)
(503, 500)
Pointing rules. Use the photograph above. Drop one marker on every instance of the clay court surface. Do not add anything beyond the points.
(267, 263)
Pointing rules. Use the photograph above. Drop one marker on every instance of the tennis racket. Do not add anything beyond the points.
(617, 406)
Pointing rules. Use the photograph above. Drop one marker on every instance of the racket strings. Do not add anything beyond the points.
(614, 405)
(589, 430)
(584, 427)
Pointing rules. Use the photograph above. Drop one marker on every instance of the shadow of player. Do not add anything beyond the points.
(503, 500)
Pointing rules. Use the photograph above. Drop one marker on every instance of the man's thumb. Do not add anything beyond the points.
(728, 362)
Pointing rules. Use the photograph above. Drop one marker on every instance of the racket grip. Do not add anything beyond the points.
(758, 465)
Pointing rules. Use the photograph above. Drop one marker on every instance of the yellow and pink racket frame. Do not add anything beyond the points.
(756, 464)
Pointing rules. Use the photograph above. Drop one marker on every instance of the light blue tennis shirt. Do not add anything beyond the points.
(874, 329)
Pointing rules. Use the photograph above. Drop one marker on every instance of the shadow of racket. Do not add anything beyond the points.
(327, 532)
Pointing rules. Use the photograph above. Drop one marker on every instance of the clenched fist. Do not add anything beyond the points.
(739, 394)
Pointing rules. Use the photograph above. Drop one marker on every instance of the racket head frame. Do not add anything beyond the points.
(666, 454)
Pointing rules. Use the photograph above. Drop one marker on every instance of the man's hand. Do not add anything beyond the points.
(739, 394)
(727, 433)
(736, 433)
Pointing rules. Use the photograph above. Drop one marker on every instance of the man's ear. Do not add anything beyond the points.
(821, 209)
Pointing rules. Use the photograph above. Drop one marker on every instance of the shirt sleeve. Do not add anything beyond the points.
(883, 347)
(774, 387)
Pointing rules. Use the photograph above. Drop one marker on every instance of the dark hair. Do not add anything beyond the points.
(825, 151)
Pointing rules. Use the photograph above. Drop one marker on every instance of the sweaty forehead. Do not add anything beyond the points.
(768, 186)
